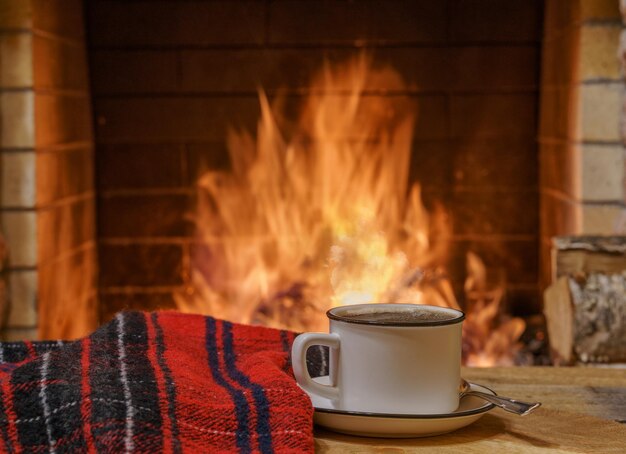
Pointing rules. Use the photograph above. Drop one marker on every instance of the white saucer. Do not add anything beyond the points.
(398, 426)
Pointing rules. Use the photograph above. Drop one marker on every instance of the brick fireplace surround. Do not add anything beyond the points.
(47, 198)
(518, 131)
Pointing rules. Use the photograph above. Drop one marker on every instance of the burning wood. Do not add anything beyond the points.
(326, 216)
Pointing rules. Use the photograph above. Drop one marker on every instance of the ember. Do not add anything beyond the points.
(321, 213)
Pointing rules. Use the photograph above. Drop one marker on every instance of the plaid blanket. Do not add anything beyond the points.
(159, 382)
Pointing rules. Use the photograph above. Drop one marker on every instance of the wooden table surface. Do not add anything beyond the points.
(579, 408)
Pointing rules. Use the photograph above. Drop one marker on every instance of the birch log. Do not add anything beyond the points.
(586, 318)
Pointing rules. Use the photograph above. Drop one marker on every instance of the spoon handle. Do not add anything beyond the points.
(514, 406)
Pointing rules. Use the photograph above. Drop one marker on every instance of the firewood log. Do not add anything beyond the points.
(586, 318)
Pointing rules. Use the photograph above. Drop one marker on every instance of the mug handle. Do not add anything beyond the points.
(298, 361)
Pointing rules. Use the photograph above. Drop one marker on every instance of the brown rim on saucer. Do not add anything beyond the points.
(342, 318)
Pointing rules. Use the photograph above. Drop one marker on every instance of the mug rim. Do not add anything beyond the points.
(332, 315)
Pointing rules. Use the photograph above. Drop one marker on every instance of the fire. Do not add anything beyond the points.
(487, 339)
(320, 213)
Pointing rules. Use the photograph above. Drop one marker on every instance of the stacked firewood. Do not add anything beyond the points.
(585, 307)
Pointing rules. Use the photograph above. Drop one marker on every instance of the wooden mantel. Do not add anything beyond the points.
(580, 408)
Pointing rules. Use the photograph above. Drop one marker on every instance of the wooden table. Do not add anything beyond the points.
(580, 407)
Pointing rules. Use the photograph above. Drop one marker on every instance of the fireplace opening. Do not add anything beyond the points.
(262, 161)
(325, 215)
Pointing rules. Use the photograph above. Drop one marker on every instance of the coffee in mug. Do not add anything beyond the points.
(401, 317)
(388, 358)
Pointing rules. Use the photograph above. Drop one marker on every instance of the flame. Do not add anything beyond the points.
(487, 339)
(324, 216)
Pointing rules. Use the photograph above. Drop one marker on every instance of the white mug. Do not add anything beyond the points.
(383, 366)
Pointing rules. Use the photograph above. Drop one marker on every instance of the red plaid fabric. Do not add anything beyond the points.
(160, 382)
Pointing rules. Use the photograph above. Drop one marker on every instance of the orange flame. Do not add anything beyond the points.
(323, 218)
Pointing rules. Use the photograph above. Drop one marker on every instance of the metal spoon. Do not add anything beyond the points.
(511, 405)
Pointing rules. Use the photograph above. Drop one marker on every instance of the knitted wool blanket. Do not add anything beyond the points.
(158, 382)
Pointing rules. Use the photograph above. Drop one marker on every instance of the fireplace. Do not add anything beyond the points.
(185, 112)
(492, 143)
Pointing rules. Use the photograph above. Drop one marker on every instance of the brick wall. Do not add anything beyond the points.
(47, 196)
(169, 77)
(581, 150)
(17, 156)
